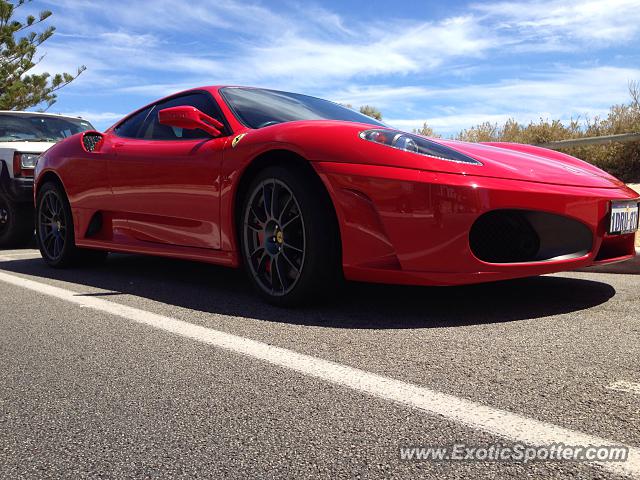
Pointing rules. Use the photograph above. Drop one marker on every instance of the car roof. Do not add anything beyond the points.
(44, 114)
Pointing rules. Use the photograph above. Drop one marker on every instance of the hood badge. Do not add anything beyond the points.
(237, 140)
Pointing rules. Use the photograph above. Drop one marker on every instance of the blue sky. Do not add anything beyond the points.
(451, 64)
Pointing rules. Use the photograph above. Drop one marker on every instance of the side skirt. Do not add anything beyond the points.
(217, 257)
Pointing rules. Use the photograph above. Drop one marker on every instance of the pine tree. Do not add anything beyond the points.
(19, 43)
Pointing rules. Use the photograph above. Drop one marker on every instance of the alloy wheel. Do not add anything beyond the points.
(52, 225)
(274, 234)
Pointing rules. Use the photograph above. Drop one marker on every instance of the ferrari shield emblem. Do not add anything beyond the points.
(237, 140)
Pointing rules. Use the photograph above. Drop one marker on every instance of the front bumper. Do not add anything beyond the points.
(412, 227)
(17, 190)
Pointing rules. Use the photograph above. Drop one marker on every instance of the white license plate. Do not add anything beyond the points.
(624, 217)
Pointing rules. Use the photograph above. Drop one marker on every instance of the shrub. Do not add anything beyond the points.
(620, 159)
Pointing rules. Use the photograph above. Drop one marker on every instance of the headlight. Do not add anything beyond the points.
(416, 144)
(28, 161)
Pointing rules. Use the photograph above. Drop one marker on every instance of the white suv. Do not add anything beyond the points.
(23, 137)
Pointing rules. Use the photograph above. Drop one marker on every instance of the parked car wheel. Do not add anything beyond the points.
(289, 237)
(16, 224)
(55, 231)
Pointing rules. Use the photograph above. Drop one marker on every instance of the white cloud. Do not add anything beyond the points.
(448, 124)
(160, 89)
(400, 48)
(563, 21)
(309, 45)
(96, 116)
(253, 44)
(381, 95)
(568, 88)
(100, 120)
(397, 64)
(572, 93)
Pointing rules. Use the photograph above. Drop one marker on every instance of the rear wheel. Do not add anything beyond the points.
(16, 223)
(55, 230)
(289, 237)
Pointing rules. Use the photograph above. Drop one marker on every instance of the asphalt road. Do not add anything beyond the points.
(89, 394)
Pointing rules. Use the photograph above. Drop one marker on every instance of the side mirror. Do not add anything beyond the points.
(190, 118)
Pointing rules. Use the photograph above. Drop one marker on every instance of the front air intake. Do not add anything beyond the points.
(521, 236)
(504, 236)
(91, 141)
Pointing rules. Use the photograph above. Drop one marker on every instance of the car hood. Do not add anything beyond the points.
(532, 164)
(27, 147)
(337, 141)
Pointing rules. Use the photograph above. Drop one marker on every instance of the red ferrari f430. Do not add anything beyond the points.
(303, 192)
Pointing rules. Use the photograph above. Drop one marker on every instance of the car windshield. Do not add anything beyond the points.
(257, 108)
(39, 128)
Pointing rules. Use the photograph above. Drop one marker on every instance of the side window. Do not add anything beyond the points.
(131, 126)
(153, 130)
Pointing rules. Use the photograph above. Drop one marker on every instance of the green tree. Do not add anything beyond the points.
(370, 111)
(19, 43)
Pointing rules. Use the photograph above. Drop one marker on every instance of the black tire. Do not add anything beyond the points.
(55, 231)
(16, 224)
(289, 261)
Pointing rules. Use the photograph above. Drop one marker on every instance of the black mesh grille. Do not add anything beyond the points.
(90, 141)
(504, 236)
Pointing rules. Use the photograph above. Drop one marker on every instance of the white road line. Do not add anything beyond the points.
(13, 256)
(498, 422)
(624, 386)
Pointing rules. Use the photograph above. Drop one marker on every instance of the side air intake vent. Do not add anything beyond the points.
(95, 225)
(91, 141)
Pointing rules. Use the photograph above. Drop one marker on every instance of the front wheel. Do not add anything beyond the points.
(289, 237)
(55, 230)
